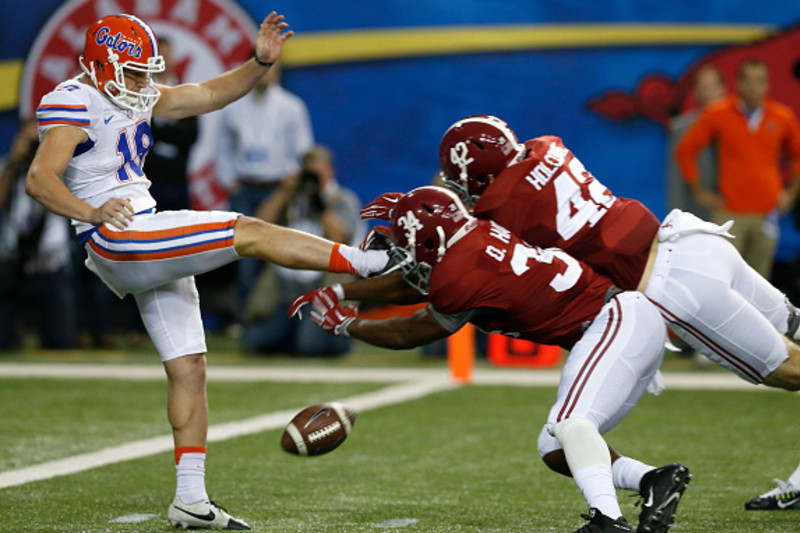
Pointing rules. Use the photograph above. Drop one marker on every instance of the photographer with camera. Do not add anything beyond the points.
(314, 202)
(35, 255)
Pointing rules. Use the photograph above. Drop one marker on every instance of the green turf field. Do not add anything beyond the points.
(457, 460)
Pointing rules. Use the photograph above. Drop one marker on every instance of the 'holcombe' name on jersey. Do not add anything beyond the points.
(553, 159)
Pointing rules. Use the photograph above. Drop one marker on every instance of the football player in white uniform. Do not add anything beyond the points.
(95, 133)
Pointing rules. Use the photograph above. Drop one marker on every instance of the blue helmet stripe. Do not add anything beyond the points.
(148, 31)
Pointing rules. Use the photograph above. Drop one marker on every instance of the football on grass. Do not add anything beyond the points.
(318, 429)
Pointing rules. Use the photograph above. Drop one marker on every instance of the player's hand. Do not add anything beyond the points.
(297, 305)
(381, 207)
(271, 37)
(378, 238)
(117, 211)
(326, 311)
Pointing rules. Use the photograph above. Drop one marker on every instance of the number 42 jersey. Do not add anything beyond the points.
(549, 199)
(109, 164)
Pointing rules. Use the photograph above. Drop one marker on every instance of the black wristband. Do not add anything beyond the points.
(263, 64)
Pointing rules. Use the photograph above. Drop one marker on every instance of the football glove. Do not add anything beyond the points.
(381, 207)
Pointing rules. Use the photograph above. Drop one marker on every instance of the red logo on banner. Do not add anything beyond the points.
(208, 37)
(659, 98)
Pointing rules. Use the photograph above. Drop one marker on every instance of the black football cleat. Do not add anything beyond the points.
(600, 523)
(661, 490)
(784, 497)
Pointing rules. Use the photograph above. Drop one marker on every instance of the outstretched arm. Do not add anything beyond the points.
(197, 98)
(397, 333)
(390, 289)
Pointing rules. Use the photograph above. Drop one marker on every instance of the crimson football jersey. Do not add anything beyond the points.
(550, 200)
(542, 295)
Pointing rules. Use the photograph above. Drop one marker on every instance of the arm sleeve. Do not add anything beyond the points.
(697, 137)
(64, 108)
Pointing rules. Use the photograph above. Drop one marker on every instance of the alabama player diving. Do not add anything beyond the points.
(705, 291)
(615, 338)
(95, 134)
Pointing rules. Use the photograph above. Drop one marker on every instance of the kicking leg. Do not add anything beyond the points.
(290, 248)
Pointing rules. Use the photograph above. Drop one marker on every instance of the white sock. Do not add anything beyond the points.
(628, 473)
(191, 472)
(597, 487)
(794, 479)
(364, 262)
(590, 463)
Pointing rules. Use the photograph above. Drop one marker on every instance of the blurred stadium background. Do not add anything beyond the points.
(382, 84)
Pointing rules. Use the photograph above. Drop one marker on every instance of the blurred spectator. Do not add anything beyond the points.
(752, 132)
(35, 261)
(262, 138)
(708, 87)
(168, 160)
(314, 202)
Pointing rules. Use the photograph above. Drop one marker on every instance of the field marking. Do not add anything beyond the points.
(134, 518)
(391, 395)
(413, 383)
(698, 380)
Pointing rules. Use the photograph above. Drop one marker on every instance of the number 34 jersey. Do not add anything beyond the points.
(109, 164)
(550, 200)
(542, 295)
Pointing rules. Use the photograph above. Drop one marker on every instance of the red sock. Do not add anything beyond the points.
(187, 449)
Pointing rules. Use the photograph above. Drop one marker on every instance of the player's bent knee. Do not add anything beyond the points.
(787, 375)
(551, 453)
(583, 445)
(546, 443)
(187, 370)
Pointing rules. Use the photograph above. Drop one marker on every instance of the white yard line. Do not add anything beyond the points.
(413, 383)
(483, 376)
(143, 448)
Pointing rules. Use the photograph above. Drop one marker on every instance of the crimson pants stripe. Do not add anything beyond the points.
(734, 361)
(591, 362)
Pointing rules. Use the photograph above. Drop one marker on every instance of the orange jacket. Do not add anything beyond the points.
(749, 173)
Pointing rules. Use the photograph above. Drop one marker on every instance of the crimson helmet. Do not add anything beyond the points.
(425, 223)
(117, 42)
(475, 150)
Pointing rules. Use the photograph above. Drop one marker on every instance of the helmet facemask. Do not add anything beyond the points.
(425, 223)
(417, 275)
(116, 88)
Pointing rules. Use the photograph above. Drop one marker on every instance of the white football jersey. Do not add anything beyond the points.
(109, 164)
